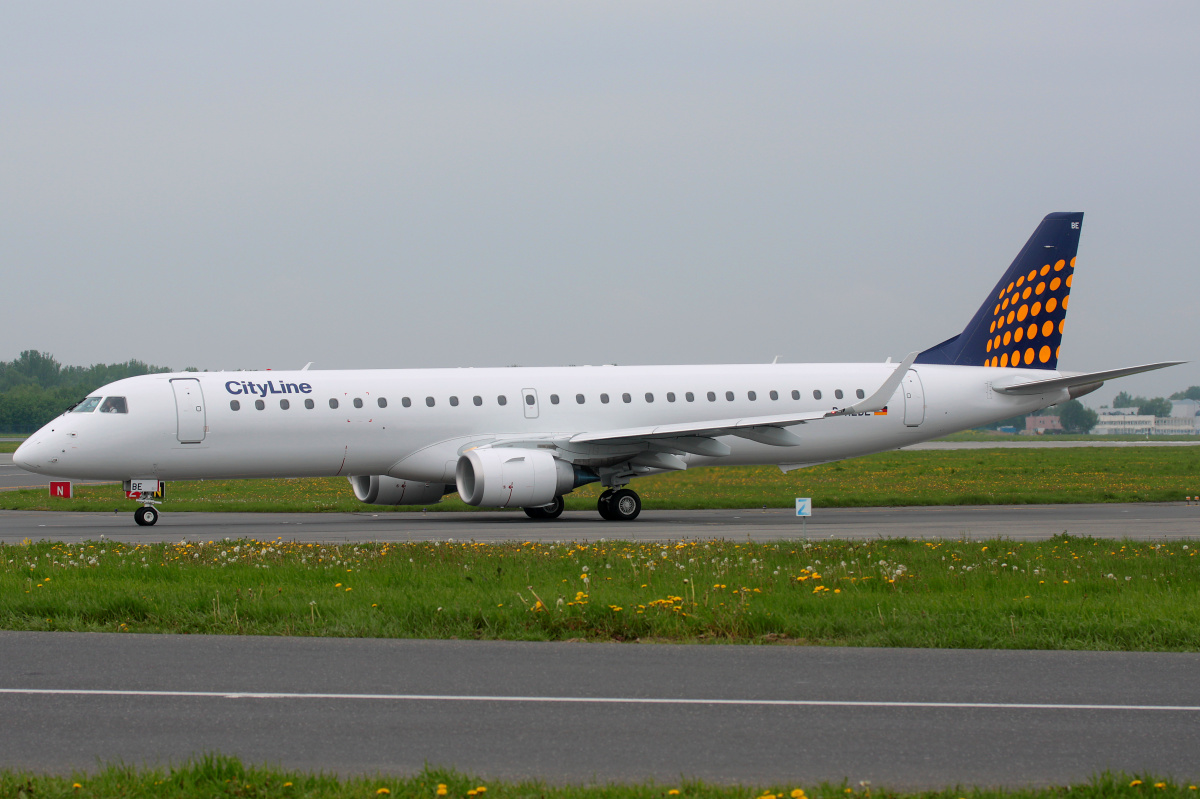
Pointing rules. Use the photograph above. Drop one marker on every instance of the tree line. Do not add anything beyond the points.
(34, 388)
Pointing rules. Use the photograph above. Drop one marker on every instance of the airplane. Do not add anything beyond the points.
(525, 437)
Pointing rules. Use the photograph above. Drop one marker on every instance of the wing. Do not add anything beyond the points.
(699, 437)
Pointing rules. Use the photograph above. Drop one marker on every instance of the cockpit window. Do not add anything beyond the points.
(114, 405)
(87, 406)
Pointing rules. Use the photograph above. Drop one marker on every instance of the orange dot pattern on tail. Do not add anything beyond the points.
(1032, 346)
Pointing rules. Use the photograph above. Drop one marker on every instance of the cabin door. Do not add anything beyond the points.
(914, 399)
(189, 410)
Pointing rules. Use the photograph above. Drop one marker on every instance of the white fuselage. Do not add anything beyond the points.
(170, 434)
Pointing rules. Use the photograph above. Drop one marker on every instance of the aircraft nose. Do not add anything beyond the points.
(26, 457)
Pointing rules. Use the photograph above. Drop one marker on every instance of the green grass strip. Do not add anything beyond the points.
(956, 477)
(1064, 593)
(220, 776)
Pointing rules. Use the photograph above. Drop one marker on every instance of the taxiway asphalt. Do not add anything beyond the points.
(599, 712)
(1140, 521)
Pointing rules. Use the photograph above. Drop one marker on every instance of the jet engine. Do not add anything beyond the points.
(503, 477)
(379, 489)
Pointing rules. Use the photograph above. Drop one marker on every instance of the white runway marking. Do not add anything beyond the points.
(598, 700)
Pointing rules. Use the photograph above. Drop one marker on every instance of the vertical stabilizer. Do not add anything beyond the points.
(1021, 321)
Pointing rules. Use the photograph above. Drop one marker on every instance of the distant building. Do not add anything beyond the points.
(1185, 408)
(1114, 422)
(1134, 424)
(1037, 425)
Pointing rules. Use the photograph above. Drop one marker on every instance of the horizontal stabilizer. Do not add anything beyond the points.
(1021, 386)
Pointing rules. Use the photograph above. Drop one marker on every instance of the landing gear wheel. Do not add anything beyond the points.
(552, 510)
(603, 506)
(146, 515)
(624, 506)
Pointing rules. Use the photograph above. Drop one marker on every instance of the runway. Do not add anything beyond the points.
(608, 712)
(1140, 521)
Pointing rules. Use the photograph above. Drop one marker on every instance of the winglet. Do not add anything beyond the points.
(879, 400)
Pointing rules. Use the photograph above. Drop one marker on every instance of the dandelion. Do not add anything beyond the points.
(673, 792)
(383, 791)
(441, 789)
(1135, 783)
(287, 785)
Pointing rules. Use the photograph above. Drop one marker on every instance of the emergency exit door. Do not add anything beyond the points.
(189, 410)
(529, 399)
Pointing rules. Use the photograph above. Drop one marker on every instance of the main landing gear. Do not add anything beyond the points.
(549, 511)
(615, 505)
(619, 505)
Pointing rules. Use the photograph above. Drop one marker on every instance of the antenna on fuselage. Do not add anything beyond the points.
(305, 369)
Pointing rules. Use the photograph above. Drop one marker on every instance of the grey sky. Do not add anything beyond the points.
(389, 185)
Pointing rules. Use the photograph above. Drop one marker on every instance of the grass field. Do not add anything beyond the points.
(1065, 593)
(219, 776)
(954, 477)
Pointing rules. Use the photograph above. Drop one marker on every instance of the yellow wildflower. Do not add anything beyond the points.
(383, 791)
(1135, 783)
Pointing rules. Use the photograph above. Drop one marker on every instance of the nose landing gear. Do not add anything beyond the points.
(149, 493)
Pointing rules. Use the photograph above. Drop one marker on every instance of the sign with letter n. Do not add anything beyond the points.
(61, 489)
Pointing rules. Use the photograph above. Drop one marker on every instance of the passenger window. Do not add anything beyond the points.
(454, 402)
(87, 406)
(626, 398)
(284, 404)
(406, 402)
(381, 402)
(357, 402)
(260, 404)
(837, 393)
(795, 394)
(729, 396)
(670, 396)
(553, 399)
(429, 401)
(478, 400)
(529, 400)
(234, 405)
(502, 400)
(817, 394)
(579, 398)
(604, 398)
(774, 394)
(860, 393)
(333, 403)
(114, 405)
(751, 395)
(690, 397)
(309, 404)
(712, 397)
(649, 397)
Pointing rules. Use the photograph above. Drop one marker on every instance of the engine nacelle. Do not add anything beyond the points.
(379, 489)
(503, 477)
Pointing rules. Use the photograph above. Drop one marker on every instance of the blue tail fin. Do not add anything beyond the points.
(1021, 321)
